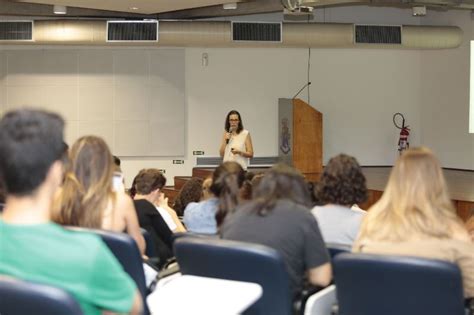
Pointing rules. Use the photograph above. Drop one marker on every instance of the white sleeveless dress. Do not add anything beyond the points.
(237, 142)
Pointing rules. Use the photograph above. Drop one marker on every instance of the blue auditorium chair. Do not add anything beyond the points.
(335, 249)
(239, 261)
(21, 297)
(127, 253)
(397, 285)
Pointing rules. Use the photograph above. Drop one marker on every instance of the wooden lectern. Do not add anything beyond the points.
(300, 137)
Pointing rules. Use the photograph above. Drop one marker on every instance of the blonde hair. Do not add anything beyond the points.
(87, 187)
(415, 204)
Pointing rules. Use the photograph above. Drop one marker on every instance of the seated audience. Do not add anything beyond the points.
(206, 189)
(415, 217)
(246, 189)
(205, 217)
(154, 214)
(34, 249)
(278, 217)
(87, 197)
(342, 184)
(190, 192)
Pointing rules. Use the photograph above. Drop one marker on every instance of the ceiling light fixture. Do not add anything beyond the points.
(60, 9)
(419, 10)
(133, 8)
(229, 6)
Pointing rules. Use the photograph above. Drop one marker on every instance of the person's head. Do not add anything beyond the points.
(234, 120)
(415, 204)
(206, 188)
(117, 163)
(31, 148)
(87, 187)
(226, 182)
(148, 183)
(342, 182)
(190, 192)
(280, 182)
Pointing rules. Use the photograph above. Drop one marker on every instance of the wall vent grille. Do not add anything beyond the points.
(16, 30)
(378, 34)
(132, 31)
(257, 32)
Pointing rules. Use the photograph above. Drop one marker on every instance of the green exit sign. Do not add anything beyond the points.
(198, 152)
(178, 161)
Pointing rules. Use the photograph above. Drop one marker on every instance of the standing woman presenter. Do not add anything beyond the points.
(236, 144)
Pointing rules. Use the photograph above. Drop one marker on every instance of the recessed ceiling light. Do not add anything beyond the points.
(59, 9)
(229, 6)
(133, 8)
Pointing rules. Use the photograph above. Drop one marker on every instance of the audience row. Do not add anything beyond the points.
(414, 217)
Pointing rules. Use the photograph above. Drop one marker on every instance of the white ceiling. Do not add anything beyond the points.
(142, 6)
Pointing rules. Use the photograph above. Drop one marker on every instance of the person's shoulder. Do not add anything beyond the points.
(144, 206)
(80, 239)
(292, 209)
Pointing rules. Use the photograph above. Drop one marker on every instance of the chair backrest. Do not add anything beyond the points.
(19, 297)
(393, 285)
(240, 261)
(322, 302)
(335, 249)
(150, 249)
(127, 253)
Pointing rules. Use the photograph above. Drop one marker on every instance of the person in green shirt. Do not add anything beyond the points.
(34, 249)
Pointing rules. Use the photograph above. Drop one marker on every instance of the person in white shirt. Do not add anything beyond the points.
(341, 186)
(236, 144)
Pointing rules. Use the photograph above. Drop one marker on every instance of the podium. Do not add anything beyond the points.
(300, 137)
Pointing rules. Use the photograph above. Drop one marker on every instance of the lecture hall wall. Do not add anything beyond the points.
(357, 90)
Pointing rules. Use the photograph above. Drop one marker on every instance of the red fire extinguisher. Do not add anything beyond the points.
(403, 143)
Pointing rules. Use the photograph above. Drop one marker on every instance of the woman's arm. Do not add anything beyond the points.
(248, 148)
(163, 203)
(225, 137)
(131, 220)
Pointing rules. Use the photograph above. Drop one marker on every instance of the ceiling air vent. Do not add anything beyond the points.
(378, 34)
(256, 32)
(132, 31)
(16, 30)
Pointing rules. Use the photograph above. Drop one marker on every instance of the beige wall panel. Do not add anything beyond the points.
(95, 67)
(132, 136)
(96, 103)
(59, 68)
(25, 68)
(167, 67)
(132, 103)
(105, 130)
(131, 68)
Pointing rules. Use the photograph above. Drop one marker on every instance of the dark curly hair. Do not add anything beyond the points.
(342, 182)
(190, 192)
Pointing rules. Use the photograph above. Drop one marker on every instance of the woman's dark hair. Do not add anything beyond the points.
(227, 123)
(312, 191)
(226, 182)
(280, 182)
(117, 161)
(246, 189)
(342, 182)
(190, 192)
